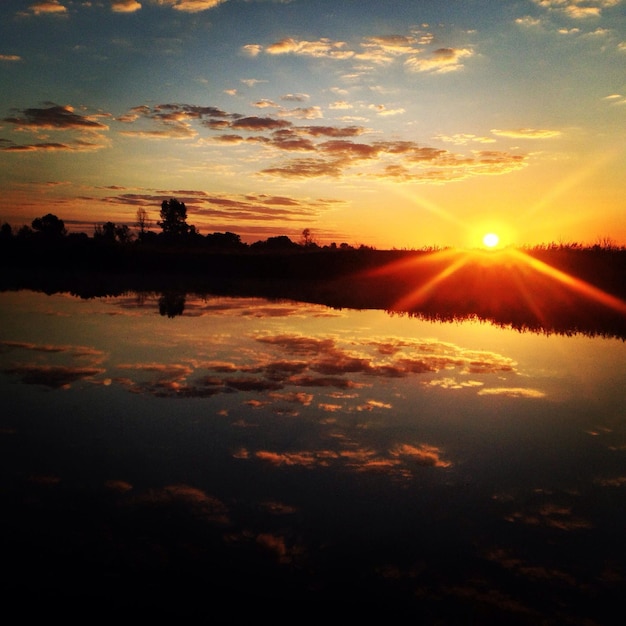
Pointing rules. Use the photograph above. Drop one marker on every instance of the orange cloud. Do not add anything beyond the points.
(47, 8)
(125, 6)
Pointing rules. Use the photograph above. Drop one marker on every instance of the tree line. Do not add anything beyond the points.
(175, 231)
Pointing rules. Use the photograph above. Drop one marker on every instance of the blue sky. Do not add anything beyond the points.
(392, 124)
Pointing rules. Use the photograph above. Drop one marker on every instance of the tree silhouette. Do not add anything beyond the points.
(6, 232)
(174, 219)
(49, 225)
(142, 222)
(172, 303)
(307, 239)
(109, 233)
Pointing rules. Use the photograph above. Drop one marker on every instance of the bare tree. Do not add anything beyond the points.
(142, 222)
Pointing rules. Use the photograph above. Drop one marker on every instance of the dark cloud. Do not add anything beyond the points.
(50, 147)
(259, 123)
(334, 131)
(334, 151)
(200, 504)
(229, 138)
(349, 149)
(54, 118)
(274, 200)
(287, 139)
(287, 361)
(53, 376)
(169, 111)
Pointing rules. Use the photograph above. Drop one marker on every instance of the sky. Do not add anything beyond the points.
(392, 124)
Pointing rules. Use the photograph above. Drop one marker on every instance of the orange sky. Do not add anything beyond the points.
(396, 124)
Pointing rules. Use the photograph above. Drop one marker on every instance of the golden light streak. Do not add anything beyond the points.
(576, 178)
(576, 284)
(421, 293)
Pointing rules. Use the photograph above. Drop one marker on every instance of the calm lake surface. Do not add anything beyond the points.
(250, 455)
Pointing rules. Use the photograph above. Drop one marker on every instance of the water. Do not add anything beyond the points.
(277, 453)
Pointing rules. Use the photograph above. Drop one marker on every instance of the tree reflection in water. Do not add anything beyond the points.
(172, 303)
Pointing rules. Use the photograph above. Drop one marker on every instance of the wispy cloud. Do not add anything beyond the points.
(376, 50)
(440, 61)
(400, 461)
(527, 133)
(321, 48)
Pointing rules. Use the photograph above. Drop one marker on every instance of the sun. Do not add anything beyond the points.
(491, 240)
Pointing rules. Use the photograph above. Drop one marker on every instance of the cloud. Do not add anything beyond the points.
(333, 153)
(73, 351)
(374, 50)
(59, 119)
(400, 461)
(259, 123)
(340, 105)
(464, 138)
(425, 455)
(577, 9)
(615, 99)
(200, 504)
(280, 364)
(305, 168)
(252, 50)
(321, 48)
(174, 121)
(550, 515)
(233, 208)
(303, 113)
(53, 376)
(252, 82)
(125, 6)
(54, 117)
(295, 97)
(395, 45)
(333, 131)
(172, 130)
(512, 392)
(263, 104)
(50, 375)
(190, 6)
(51, 7)
(528, 21)
(527, 133)
(383, 111)
(441, 61)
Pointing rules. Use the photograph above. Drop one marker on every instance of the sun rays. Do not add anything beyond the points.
(508, 285)
(577, 285)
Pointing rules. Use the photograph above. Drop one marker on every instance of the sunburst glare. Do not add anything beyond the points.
(491, 240)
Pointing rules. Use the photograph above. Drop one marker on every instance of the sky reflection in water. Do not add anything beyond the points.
(274, 448)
